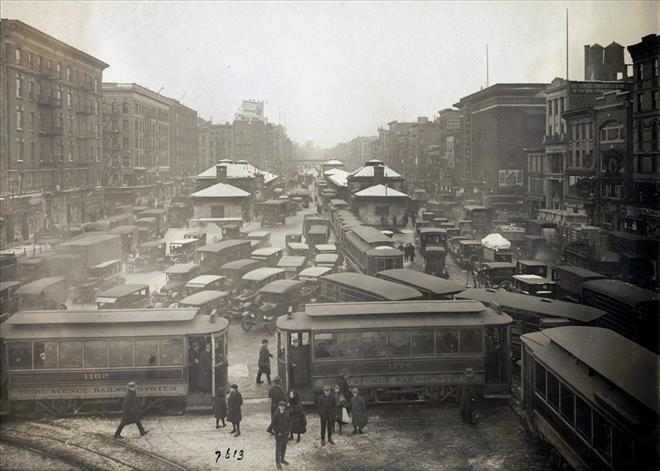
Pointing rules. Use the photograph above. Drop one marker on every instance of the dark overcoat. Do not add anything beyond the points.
(276, 395)
(220, 406)
(234, 403)
(358, 411)
(131, 412)
(298, 418)
(281, 422)
(327, 406)
(264, 359)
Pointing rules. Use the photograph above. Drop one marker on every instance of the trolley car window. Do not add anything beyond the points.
(20, 355)
(602, 435)
(374, 344)
(567, 404)
(399, 343)
(447, 341)
(96, 354)
(121, 353)
(71, 355)
(553, 391)
(583, 418)
(146, 352)
(422, 343)
(324, 345)
(171, 351)
(470, 341)
(539, 374)
(45, 355)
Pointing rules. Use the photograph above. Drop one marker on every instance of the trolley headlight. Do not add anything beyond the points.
(268, 318)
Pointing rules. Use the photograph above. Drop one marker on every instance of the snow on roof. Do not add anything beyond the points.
(220, 190)
(381, 190)
(240, 169)
(333, 162)
(338, 176)
(368, 171)
(495, 241)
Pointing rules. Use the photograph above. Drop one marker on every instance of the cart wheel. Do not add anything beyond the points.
(247, 324)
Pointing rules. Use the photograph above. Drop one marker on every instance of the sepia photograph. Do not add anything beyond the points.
(329, 235)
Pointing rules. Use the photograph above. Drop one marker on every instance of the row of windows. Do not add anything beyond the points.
(646, 71)
(581, 131)
(589, 424)
(33, 91)
(648, 101)
(95, 354)
(375, 344)
(70, 74)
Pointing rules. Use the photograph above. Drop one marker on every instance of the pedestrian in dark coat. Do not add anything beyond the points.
(404, 251)
(264, 362)
(411, 247)
(195, 370)
(131, 413)
(234, 403)
(358, 411)
(276, 394)
(297, 413)
(282, 428)
(327, 410)
(220, 407)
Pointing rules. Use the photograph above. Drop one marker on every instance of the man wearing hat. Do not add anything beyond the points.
(276, 394)
(131, 411)
(234, 403)
(264, 362)
(281, 424)
(327, 407)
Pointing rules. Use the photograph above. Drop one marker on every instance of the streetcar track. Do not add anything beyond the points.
(95, 450)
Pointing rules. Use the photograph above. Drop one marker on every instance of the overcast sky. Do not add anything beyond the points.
(333, 71)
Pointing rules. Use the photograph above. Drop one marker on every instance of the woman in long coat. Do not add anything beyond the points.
(234, 403)
(220, 406)
(297, 414)
(358, 411)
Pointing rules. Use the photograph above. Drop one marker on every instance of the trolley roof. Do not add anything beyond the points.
(392, 314)
(387, 290)
(222, 245)
(628, 293)
(512, 302)
(37, 286)
(432, 230)
(607, 353)
(121, 290)
(371, 235)
(421, 281)
(533, 279)
(108, 323)
(202, 297)
(261, 273)
(580, 272)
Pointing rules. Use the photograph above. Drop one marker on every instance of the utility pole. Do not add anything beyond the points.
(566, 44)
(487, 78)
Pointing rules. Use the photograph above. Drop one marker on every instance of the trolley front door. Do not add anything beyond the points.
(298, 359)
(219, 372)
(281, 359)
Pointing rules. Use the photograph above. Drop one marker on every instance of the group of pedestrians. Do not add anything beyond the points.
(408, 252)
(228, 406)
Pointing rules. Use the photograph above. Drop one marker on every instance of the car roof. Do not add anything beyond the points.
(203, 297)
(262, 273)
(203, 280)
(121, 290)
(281, 286)
(180, 268)
(222, 245)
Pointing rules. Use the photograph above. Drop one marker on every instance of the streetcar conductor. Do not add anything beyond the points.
(131, 413)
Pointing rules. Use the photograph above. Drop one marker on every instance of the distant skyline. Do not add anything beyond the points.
(331, 71)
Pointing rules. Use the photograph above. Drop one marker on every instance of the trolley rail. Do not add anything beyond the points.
(91, 451)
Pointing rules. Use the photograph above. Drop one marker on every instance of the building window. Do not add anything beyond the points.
(58, 69)
(69, 99)
(20, 149)
(553, 391)
(19, 86)
(68, 73)
(655, 100)
(19, 117)
(640, 102)
(602, 435)
(125, 107)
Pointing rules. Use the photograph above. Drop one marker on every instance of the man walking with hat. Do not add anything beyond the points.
(131, 411)
(264, 362)
(276, 395)
(281, 427)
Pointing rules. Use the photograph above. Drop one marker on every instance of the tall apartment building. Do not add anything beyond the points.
(183, 139)
(204, 160)
(51, 141)
(499, 122)
(220, 142)
(135, 133)
(643, 215)
(562, 96)
(449, 171)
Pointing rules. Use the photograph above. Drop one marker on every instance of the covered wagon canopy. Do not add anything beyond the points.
(496, 242)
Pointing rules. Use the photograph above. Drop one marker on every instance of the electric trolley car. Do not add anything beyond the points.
(63, 363)
(395, 351)
(592, 396)
(369, 251)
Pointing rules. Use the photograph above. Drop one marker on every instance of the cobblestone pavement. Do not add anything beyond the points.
(397, 438)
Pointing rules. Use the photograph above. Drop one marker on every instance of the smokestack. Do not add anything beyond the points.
(221, 172)
(379, 174)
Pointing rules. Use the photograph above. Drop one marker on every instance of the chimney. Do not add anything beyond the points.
(221, 172)
(379, 174)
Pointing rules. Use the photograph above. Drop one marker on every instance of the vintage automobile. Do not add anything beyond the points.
(273, 300)
(494, 275)
(432, 236)
(297, 249)
(311, 277)
(570, 279)
(317, 234)
(235, 270)
(269, 255)
(465, 225)
(434, 261)
(206, 302)
(273, 212)
(125, 296)
(258, 239)
(44, 293)
(106, 274)
(531, 267)
(182, 250)
(212, 257)
(533, 285)
(206, 282)
(292, 265)
(469, 253)
(330, 260)
(151, 255)
(177, 276)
